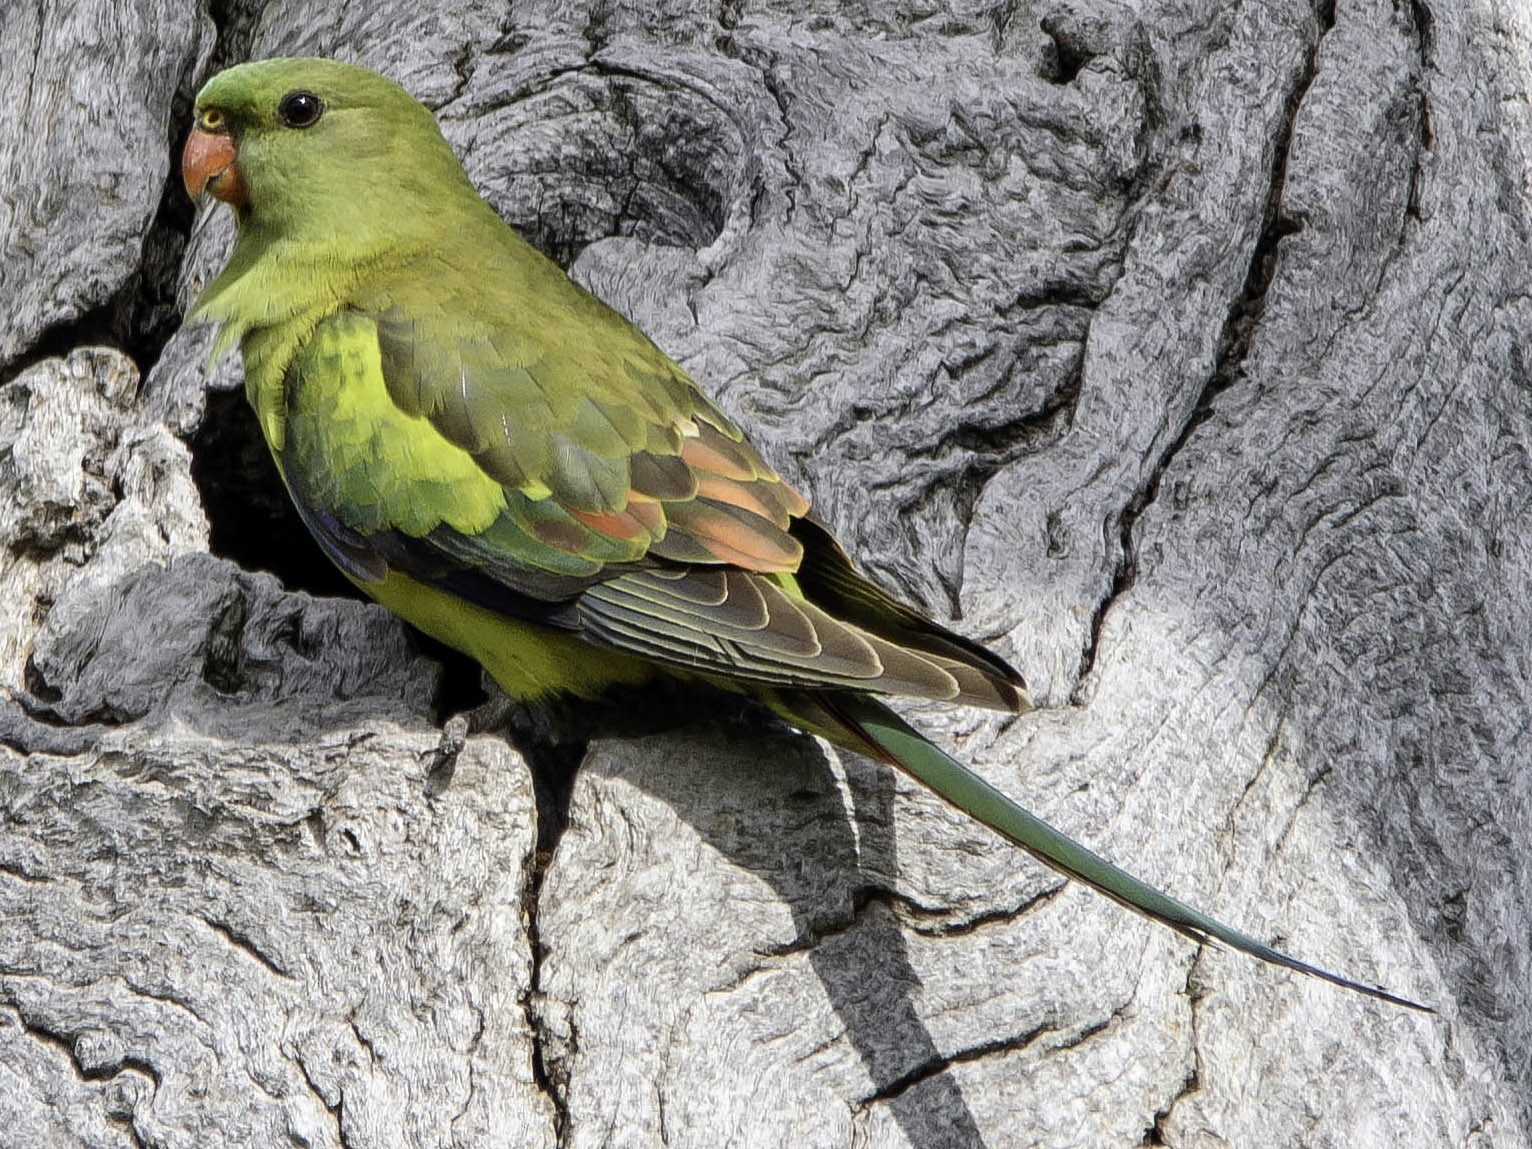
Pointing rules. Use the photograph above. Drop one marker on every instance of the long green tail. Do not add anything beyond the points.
(884, 735)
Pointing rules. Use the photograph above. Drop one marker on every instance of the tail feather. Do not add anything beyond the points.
(866, 724)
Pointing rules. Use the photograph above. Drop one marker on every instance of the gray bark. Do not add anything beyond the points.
(1174, 350)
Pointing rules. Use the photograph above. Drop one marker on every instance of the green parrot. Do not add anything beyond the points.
(511, 466)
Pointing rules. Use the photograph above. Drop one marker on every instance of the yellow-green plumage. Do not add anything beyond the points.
(504, 461)
(390, 468)
(524, 659)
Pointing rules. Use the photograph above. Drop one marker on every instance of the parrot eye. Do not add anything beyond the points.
(300, 109)
(212, 121)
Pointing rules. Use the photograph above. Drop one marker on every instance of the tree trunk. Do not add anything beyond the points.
(1173, 350)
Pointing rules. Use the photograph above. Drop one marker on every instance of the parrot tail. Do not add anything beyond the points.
(862, 723)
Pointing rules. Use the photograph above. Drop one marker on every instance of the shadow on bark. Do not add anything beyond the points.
(854, 944)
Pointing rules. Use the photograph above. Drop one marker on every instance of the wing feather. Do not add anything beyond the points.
(724, 634)
(590, 488)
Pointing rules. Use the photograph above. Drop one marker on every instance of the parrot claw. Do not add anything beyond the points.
(442, 760)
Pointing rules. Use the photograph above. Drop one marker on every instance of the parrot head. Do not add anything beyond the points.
(297, 145)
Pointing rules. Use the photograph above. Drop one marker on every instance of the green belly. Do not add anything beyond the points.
(528, 661)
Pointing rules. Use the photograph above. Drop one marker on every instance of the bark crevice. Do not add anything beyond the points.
(1240, 326)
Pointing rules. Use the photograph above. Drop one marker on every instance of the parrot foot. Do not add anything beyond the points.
(442, 761)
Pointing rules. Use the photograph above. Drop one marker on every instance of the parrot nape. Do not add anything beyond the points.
(510, 465)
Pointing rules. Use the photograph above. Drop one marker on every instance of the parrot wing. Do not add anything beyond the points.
(615, 502)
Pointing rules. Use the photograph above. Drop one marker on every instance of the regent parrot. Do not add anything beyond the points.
(510, 465)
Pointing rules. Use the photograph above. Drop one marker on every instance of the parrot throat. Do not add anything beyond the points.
(267, 301)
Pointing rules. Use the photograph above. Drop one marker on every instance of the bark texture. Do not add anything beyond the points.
(1174, 349)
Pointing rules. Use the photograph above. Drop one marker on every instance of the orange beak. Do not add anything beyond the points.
(210, 164)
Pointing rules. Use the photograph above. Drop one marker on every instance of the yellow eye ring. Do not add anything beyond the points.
(211, 120)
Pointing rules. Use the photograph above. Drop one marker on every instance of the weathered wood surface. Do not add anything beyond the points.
(1177, 349)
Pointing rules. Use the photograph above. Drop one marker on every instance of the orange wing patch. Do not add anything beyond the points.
(713, 503)
(706, 532)
(741, 512)
(642, 518)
